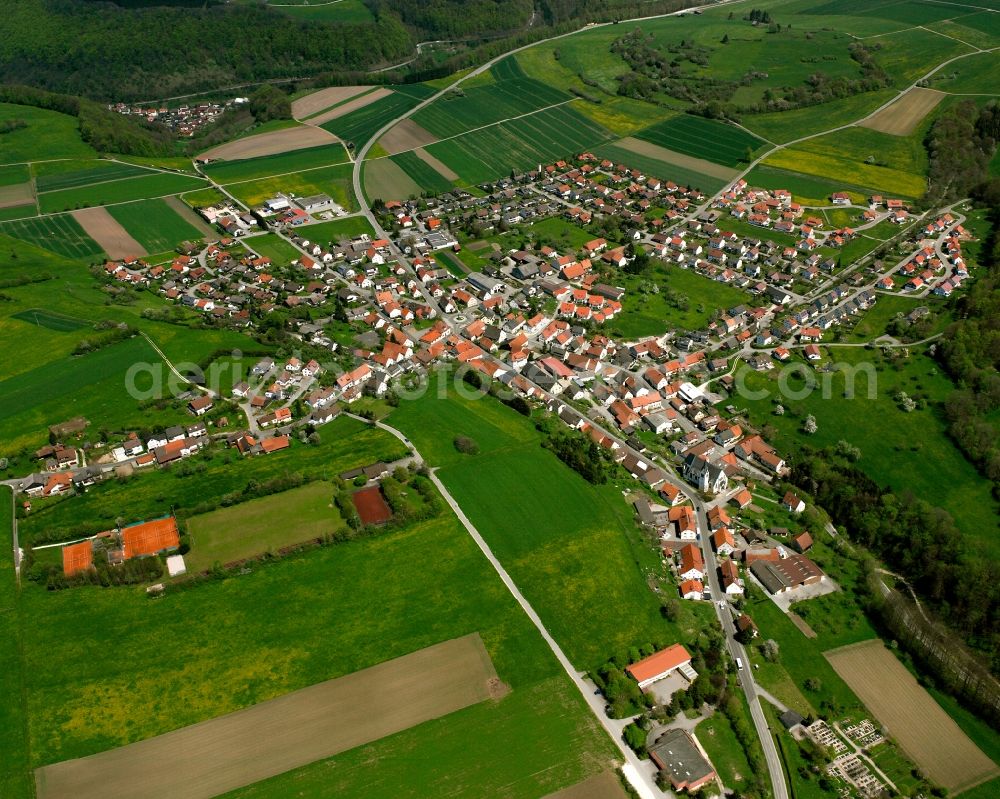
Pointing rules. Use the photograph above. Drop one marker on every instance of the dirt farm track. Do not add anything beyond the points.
(222, 754)
(923, 730)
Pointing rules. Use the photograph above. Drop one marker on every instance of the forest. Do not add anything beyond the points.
(106, 52)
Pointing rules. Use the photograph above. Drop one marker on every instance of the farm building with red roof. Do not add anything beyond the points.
(660, 665)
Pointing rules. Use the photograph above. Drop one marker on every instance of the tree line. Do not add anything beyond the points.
(960, 144)
(915, 538)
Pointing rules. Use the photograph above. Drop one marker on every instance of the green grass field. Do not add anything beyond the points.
(359, 126)
(428, 178)
(660, 169)
(280, 164)
(334, 181)
(337, 229)
(48, 134)
(294, 623)
(572, 548)
(717, 737)
(704, 138)
(806, 189)
(648, 314)
(59, 175)
(15, 778)
(977, 74)
(465, 108)
(14, 174)
(61, 234)
(492, 152)
(896, 446)
(783, 126)
(262, 525)
(117, 191)
(274, 247)
(154, 224)
(49, 320)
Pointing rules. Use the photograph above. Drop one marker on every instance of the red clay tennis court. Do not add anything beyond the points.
(77, 557)
(371, 505)
(150, 538)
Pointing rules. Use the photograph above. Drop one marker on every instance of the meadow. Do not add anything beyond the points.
(654, 167)
(58, 175)
(61, 234)
(572, 548)
(463, 109)
(271, 165)
(345, 443)
(334, 181)
(489, 153)
(337, 229)
(359, 126)
(274, 247)
(977, 74)
(426, 176)
(117, 191)
(266, 632)
(704, 138)
(896, 447)
(15, 778)
(784, 126)
(262, 525)
(154, 224)
(340, 11)
(805, 189)
(47, 135)
(646, 314)
(716, 735)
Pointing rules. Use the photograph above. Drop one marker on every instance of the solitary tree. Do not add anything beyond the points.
(810, 426)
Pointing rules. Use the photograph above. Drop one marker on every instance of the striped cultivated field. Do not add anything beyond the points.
(488, 153)
(703, 138)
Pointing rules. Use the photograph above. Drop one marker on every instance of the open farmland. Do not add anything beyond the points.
(427, 177)
(360, 125)
(117, 191)
(59, 175)
(337, 229)
(286, 732)
(923, 730)
(464, 109)
(17, 195)
(493, 151)
(705, 139)
(675, 159)
(280, 164)
(571, 547)
(49, 320)
(103, 228)
(273, 143)
(154, 224)
(977, 74)
(406, 135)
(386, 180)
(903, 116)
(266, 632)
(261, 525)
(313, 103)
(654, 167)
(61, 234)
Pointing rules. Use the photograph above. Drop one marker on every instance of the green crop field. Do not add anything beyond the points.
(429, 179)
(47, 134)
(61, 234)
(266, 632)
(977, 74)
(359, 126)
(704, 138)
(334, 181)
(262, 525)
(654, 167)
(280, 164)
(571, 547)
(14, 174)
(896, 446)
(274, 247)
(154, 224)
(14, 212)
(781, 127)
(463, 109)
(57, 175)
(492, 152)
(339, 11)
(50, 321)
(117, 191)
(337, 229)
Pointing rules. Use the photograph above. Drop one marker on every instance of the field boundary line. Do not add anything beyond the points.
(280, 174)
(99, 183)
(953, 38)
